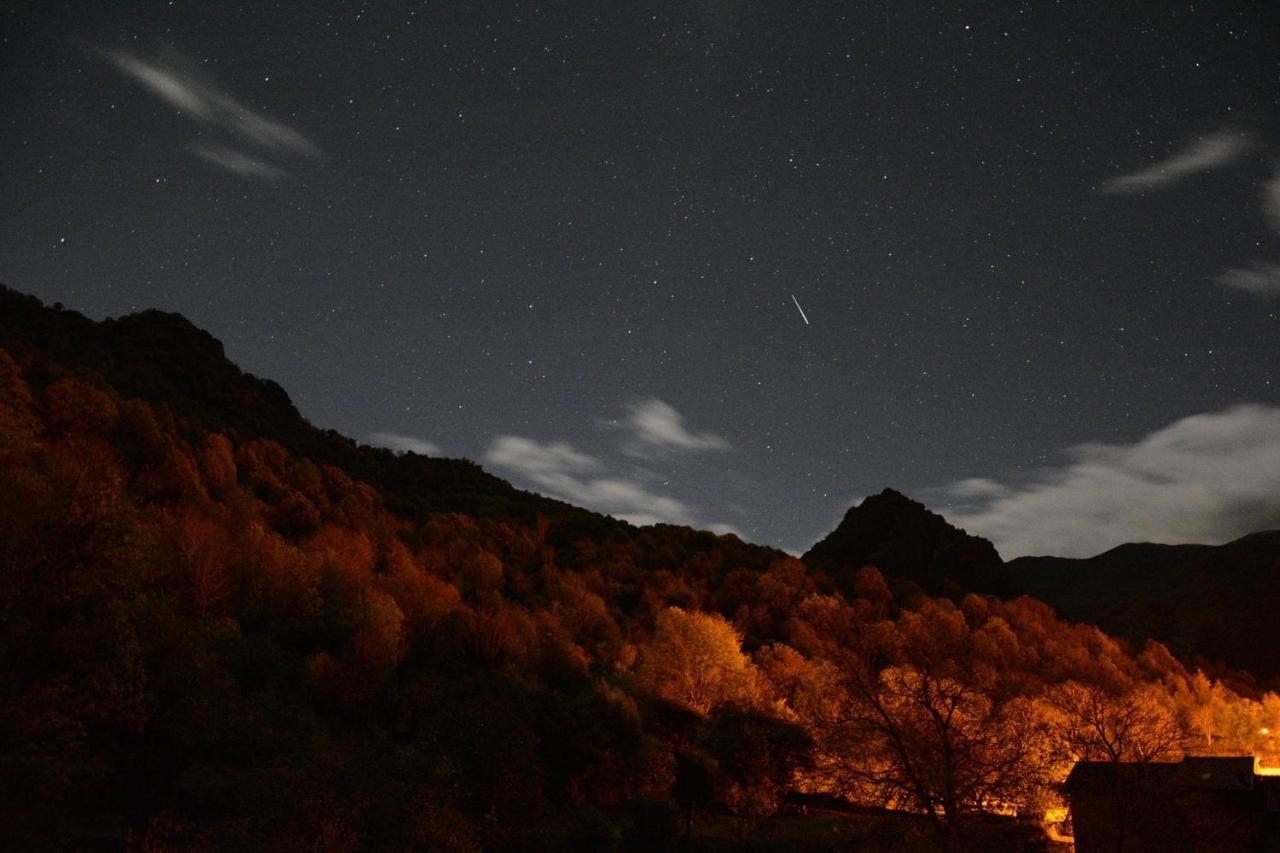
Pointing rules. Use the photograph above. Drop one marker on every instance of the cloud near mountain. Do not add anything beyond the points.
(625, 491)
(1206, 478)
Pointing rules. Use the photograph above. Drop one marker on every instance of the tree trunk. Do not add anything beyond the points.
(951, 828)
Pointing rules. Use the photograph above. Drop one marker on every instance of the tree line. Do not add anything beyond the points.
(207, 641)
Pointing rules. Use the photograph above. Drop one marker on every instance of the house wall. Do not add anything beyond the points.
(1169, 819)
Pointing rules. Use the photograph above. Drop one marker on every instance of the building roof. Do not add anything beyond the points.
(1218, 773)
(1227, 773)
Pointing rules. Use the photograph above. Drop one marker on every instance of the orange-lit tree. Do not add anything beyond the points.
(923, 727)
(1097, 723)
(696, 659)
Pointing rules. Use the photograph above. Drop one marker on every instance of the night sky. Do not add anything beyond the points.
(719, 263)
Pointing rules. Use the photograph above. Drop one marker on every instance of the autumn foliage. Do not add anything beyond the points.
(209, 642)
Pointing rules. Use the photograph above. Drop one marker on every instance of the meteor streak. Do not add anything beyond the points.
(798, 308)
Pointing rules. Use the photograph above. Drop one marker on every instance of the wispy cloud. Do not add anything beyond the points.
(1208, 152)
(1218, 149)
(977, 488)
(536, 460)
(1259, 277)
(163, 83)
(1271, 200)
(403, 443)
(722, 529)
(1207, 478)
(560, 470)
(655, 424)
(203, 101)
(238, 163)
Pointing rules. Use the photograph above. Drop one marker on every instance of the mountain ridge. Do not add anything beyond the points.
(213, 641)
(903, 538)
(163, 357)
(1214, 602)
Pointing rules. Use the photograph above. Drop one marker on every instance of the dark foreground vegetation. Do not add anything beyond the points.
(1210, 603)
(223, 629)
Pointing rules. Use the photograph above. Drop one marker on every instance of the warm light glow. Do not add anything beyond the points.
(1052, 824)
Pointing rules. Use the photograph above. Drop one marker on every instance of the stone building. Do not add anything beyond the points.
(1197, 804)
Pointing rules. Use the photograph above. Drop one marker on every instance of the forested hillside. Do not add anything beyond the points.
(167, 361)
(1215, 602)
(221, 629)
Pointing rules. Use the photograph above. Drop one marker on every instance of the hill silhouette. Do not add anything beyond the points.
(1213, 602)
(1207, 602)
(905, 540)
(222, 628)
(165, 359)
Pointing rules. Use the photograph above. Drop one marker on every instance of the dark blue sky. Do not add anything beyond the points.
(565, 239)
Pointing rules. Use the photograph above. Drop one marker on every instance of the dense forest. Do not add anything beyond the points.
(1206, 602)
(223, 629)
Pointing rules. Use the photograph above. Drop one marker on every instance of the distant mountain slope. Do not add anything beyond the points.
(1219, 602)
(209, 640)
(1214, 602)
(903, 539)
(164, 358)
